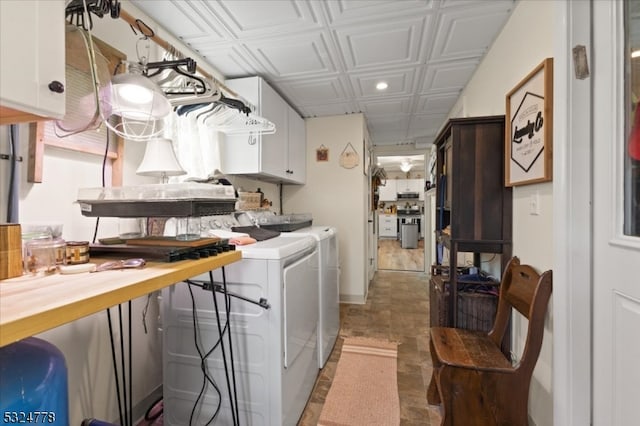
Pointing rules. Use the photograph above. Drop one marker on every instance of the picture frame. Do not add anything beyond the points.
(322, 153)
(529, 128)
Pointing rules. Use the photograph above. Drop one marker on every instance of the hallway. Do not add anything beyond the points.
(397, 309)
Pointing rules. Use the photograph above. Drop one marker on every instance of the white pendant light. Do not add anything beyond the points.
(134, 107)
(405, 166)
(160, 160)
(137, 98)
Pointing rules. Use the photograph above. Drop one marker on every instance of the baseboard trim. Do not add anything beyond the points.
(354, 299)
(141, 407)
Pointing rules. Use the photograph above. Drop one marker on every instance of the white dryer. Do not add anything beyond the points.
(329, 278)
(275, 349)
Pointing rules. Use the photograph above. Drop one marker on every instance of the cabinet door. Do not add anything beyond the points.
(274, 146)
(409, 185)
(388, 192)
(388, 226)
(393, 225)
(415, 185)
(297, 148)
(248, 154)
(32, 54)
(240, 153)
(273, 157)
(385, 230)
(402, 185)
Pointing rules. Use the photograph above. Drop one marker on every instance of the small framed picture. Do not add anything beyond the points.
(322, 153)
(529, 128)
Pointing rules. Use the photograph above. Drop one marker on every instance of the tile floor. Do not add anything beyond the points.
(397, 309)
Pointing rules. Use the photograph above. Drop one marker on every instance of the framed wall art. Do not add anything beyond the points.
(322, 153)
(529, 128)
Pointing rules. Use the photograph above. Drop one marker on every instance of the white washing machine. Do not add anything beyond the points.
(329, 278)
(274, 350)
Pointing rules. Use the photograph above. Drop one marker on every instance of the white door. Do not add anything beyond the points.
(616, 256)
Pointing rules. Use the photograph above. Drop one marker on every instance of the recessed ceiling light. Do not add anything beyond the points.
(382, 85)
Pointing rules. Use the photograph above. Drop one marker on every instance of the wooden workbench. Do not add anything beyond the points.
(31, 305)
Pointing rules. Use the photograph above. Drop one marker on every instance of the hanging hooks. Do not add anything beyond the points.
(76, 9)
(146, 34)
(146, 31)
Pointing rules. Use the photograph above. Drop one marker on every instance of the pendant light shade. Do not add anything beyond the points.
(137, 98)
(405, 166)
(134, 107)
(160, 160)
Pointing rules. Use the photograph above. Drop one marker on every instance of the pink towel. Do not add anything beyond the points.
(242, 241)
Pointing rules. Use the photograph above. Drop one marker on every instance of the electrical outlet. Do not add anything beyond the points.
(534, 204)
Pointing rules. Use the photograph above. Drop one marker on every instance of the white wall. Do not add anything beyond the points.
(335, 196)
(518, 50)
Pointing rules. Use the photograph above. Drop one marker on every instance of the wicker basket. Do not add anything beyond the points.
(476, 310)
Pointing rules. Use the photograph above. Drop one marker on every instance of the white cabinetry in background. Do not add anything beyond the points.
(410, 185)
(32, 55)
(388, 226)
(277, 157)
(388, 191)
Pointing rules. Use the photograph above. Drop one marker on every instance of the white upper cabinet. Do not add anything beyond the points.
(32, 54)
(278, 157)
(409, 185)
(297, 148)
(388, 192)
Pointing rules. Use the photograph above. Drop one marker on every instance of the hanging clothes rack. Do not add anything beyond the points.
(131, 20)
(241, 120)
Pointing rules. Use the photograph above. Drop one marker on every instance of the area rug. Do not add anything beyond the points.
(364, 390)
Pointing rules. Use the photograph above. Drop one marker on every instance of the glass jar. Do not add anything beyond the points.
(59, 250)
(188, 228)
(77, 252)
(132, 227)
(40, 257)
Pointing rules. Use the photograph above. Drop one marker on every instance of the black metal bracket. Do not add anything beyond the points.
(16, 158)
(262, 302)
(75, 11)
(185, 67)
(218, 288)
(189, 63)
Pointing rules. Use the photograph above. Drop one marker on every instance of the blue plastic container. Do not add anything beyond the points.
(33, 384)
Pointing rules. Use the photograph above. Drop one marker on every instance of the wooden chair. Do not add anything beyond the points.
(472, 379)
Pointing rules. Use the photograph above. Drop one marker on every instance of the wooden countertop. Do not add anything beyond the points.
(31, 305)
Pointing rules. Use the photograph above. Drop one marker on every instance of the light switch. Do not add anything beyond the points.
(534, 204)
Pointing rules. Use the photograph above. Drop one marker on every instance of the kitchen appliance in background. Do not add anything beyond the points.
(409, 236)
(329, 297)
(293, 225)
(411, 215)
(275, 349)
(407, 195)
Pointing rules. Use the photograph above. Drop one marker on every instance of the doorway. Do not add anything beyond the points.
(392, 257)
(402, 194)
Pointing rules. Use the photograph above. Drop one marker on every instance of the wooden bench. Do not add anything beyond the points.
(472, 379)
